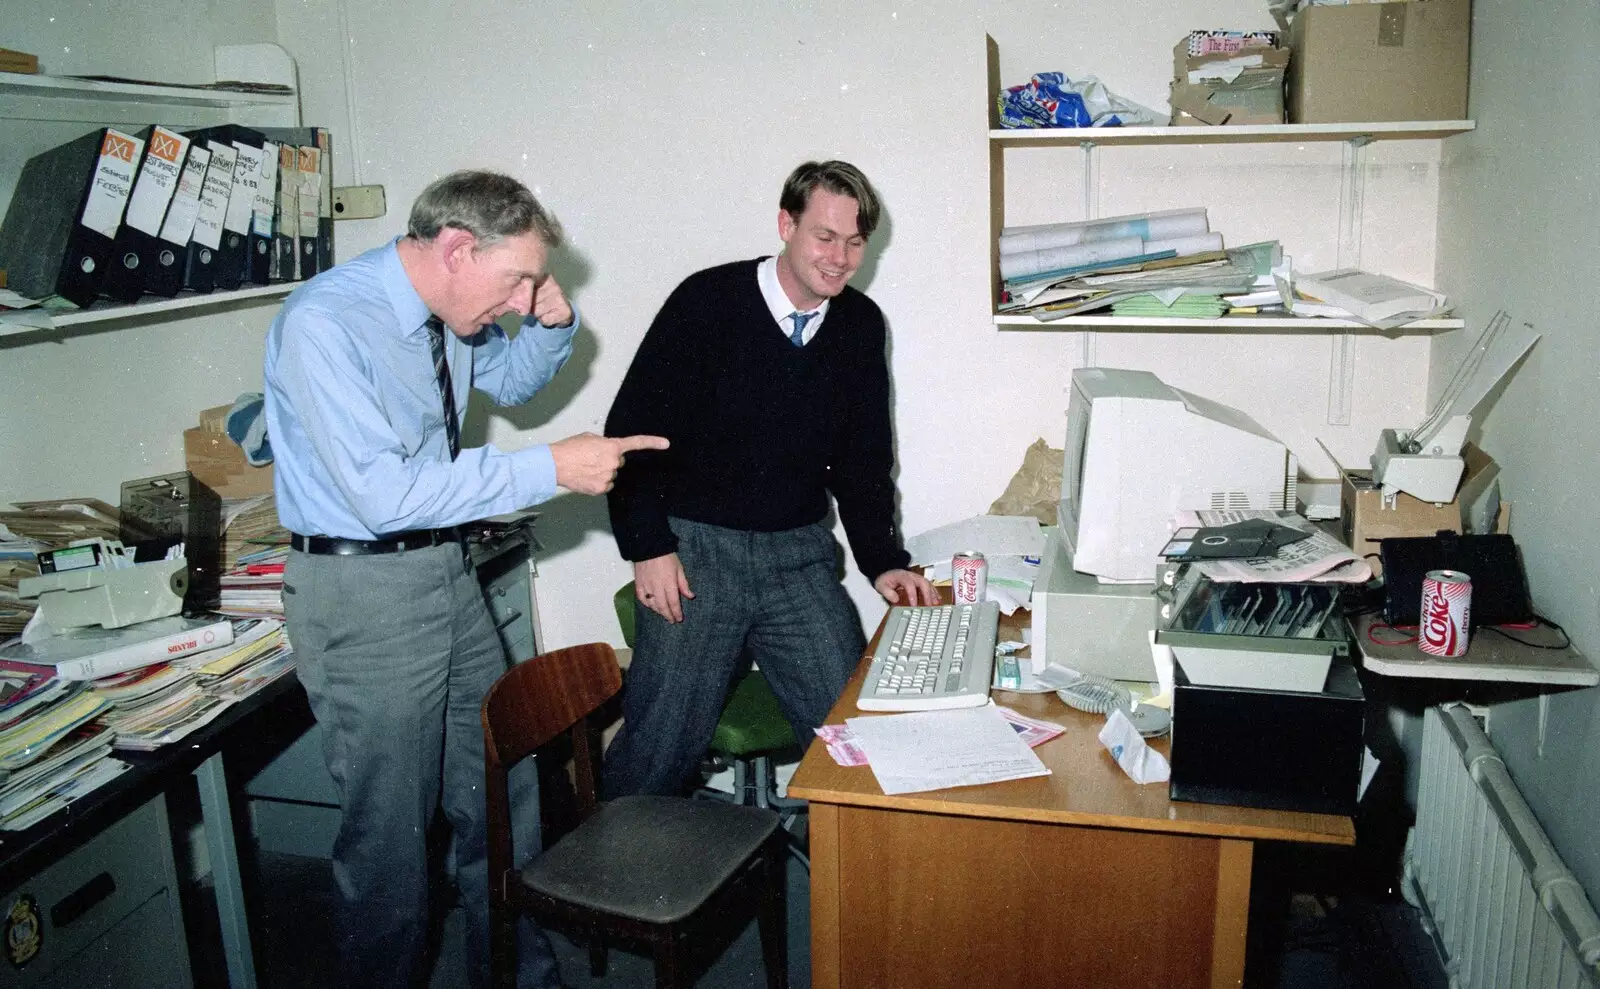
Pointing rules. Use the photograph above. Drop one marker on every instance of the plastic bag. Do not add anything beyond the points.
(1050, 99)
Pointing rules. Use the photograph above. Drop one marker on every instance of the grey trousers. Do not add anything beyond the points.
(396, 652)
(775, 594)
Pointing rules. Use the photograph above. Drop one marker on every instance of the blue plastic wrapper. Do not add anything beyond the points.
(1047, 101)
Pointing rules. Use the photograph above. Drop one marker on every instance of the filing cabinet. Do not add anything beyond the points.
(104, 916)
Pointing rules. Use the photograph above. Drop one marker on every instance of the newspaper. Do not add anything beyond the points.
(1321, 558)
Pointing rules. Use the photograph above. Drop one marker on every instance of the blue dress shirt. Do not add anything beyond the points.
(355, 416)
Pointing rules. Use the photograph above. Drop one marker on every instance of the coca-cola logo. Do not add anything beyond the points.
(1438, 629)
(969, 581)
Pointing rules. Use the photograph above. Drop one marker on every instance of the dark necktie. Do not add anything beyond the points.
(441, 373)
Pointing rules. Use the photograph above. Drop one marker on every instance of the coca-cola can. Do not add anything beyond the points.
(969, 577)
(1446, 613)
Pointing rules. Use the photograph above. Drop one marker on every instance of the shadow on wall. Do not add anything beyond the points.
(567, 519)
(572, 271)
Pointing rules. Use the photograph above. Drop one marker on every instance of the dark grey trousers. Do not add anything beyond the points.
(776, 594)
(396, 652)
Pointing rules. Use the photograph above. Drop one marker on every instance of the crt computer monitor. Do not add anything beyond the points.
(1138, 451)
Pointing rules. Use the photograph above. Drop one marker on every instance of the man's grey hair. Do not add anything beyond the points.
(489, 205)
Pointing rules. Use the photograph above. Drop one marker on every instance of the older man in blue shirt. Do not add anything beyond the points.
(368, 369)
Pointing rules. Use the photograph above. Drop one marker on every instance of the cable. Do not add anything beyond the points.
(1566, 640)
(1393, 628)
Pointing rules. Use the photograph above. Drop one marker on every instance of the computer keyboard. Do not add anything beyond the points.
(932, 657)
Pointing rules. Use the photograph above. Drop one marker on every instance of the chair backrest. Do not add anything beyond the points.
(531, 704)
(537, 700)
(625, 601)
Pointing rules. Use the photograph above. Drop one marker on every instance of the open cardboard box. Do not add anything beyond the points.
(217, 462)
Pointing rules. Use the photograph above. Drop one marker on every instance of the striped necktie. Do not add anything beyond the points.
(800, 320)
(447, 392)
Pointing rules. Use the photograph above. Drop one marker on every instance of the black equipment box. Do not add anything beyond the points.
(1278, 749)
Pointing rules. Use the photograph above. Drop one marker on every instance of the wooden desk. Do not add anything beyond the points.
(1080, 878)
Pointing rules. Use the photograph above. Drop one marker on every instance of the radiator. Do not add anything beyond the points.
(1503, 909)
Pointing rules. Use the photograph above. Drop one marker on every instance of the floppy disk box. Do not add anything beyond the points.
(1499, 588)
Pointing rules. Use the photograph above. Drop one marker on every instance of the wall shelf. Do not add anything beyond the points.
(1398, 130)
(1310, 324)
(67, 99)
(12, 321)
(1355, 137)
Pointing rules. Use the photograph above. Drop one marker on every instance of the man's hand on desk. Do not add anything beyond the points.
(905, 587)
(658, 584)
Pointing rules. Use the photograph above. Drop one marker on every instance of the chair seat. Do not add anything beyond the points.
(752, 722)
(654, 859)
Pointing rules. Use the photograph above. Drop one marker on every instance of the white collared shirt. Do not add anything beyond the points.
(780, 306)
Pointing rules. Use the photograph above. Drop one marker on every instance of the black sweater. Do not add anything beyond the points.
(761, 430)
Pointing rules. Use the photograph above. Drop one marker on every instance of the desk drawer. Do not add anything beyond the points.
(64, 910)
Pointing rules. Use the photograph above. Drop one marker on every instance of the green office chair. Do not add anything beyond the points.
(751, 729)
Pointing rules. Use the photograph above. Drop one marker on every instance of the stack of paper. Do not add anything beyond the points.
(932, 750)
(254, 587)
(157, 705)
(75, 765)
(93, 652)
(1188, 305)
(1376, 300)
(250, 526)
(30, 729)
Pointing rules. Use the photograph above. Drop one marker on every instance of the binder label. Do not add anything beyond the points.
(157, 178)
(310, 165)
(113, 180)
(266, 188)
(246, 178)
(214, 193)
(179, 223)
(310, 194)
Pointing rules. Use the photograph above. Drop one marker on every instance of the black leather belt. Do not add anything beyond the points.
(414, 539)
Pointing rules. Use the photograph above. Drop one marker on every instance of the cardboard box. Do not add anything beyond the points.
(218, 463)
(1380, 61)
(215, 419)
(1365, 520)
(1255, 96)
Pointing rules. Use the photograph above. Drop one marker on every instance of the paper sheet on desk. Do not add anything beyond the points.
(1320, 558)
(933, 750)
(991, 535)
(847, 751)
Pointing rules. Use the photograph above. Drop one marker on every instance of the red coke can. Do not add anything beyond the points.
(969, 577)
(1446, 613)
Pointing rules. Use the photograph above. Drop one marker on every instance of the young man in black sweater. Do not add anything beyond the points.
(770, 379)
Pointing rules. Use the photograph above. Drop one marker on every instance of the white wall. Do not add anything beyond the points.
(1520, 213)
(659, 134)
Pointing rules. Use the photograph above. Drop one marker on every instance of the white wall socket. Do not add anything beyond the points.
(358, 202)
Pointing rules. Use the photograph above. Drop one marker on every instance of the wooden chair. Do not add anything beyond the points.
(676, 876)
